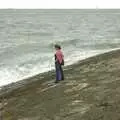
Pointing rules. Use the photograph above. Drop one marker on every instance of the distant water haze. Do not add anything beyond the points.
(27, 38)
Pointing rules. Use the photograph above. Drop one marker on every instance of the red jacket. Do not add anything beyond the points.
(59, 56)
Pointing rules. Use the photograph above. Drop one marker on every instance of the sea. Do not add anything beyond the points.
(27, 38)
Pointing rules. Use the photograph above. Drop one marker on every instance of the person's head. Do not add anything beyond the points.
(57, 47)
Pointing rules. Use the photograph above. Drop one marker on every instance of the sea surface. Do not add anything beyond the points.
(27, 38)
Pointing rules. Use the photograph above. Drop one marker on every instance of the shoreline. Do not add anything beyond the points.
(23, 80)
(29, 80)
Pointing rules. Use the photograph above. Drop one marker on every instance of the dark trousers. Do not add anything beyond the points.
(59, 72)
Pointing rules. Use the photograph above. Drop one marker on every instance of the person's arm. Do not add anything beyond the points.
(55, 58)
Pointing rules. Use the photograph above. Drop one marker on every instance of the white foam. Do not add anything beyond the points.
(13, 74)
(77, 55)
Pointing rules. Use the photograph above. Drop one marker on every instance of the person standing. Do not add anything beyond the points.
(59, 62)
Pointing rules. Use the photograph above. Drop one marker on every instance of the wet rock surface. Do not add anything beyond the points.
(91, 91)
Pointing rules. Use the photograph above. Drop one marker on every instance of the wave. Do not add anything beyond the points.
(16, 73)
(63, 42)
(86, 44)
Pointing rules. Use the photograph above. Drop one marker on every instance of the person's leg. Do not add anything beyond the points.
(58, 72)
(62, 74)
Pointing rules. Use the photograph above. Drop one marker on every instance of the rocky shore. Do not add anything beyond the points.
(90, 91)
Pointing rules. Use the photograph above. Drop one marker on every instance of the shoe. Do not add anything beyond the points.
(56, 81)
